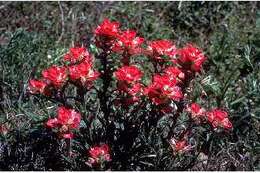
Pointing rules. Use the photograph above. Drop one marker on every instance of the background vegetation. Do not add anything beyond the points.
(35, 35)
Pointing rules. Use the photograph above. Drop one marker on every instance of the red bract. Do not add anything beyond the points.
(83, 72)
(135, 89)
(163, 89)
(191, 57)
(159, 48)
(99, 153)
(196, 110)
(77, 54)
(51, 123)
(174, 72)
(127, 41)
(219, 118)
(128, 74)
(66, 120)
(179, 145)
(107, 29)
(37, 87)
(55, 75)
(68, 117)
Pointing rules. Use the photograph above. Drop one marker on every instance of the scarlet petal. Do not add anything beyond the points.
(37, 86)
(107, 28)
(68, 117)
(128, 74)
(77, 54)
(162, 47)
(52, 123)
(55, 75)
(191, 57)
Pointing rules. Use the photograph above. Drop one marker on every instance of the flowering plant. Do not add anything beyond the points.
(119, 104)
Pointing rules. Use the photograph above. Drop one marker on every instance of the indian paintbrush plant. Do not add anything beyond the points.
(129, 100)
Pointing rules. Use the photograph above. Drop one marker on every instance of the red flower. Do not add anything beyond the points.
(68, 117)
(128, 77)
(99, 153)
(51, 123)
(163, 89)
(196, 110)
(135, 89)
(83, 72)
(66, 120)
(127, 41)
(179, 146)
(219, 118)
(107, 29)
(128, 74)
(37, 86)
(55, 75)
(191, 57)
(161, 47)
(174, 72)
(77, 54)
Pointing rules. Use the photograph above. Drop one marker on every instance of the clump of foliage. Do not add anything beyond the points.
(136, 105)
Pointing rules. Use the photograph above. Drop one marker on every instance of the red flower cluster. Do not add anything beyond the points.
(99, 154)
(179, 146)
(55, 76)
(163, 89)
(77, 54)
(79, 71)
(128, 74)
(66, 120)
(110, 37)
(127, 41)
(219, 118)
(174, 73)
(191, 57)
(107, 29)
(38, 87)
(158, 48)
(128, 81)
(106, 33)
(216, 117)
(196, 111)
(83, 73)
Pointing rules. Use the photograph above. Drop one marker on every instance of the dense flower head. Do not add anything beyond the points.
(77, 54)
(219, 117)
(55, 75)
(191, 57)
(163, 89)
(159, 48)
(107, 29)
(98, 154)
(66, 120)
(174, 72)
(127, 41)
(196, 111)
(83, 72)
(129, 74)
(37, 87)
